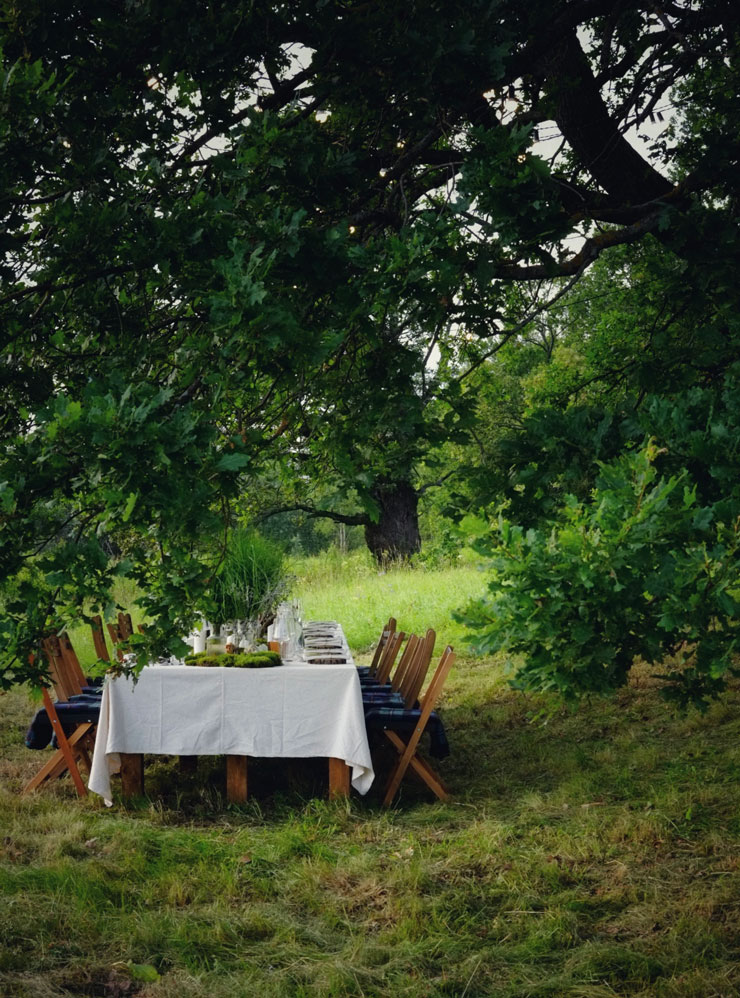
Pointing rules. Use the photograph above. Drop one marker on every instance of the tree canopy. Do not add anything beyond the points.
(222, 227)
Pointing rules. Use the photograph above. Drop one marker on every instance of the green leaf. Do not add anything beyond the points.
(129, 507)
(143, 972)
(232, 462)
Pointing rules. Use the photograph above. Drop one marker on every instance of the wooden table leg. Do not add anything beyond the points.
(236, 779)
(339, 777)
(132, 775)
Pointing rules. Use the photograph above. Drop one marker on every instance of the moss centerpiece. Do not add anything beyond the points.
(245, 660)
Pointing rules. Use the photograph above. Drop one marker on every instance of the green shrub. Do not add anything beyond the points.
(642, 570)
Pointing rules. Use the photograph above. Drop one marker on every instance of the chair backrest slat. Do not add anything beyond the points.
(65, 670)
(120, 632)
(389, 656)
(101, 648)
(62, 677)
(431, 696)
(415, 680)
(125, 626)
(385, 634)
(405, 662)
(72, 662)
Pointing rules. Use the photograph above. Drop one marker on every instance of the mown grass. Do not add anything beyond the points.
(592, 856)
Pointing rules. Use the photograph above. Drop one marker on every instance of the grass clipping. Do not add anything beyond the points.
(236, 660)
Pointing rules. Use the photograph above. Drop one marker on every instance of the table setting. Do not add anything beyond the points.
(307, 703)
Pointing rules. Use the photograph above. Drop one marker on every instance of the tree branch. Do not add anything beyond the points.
(51, 287)
(584, 120)
(275, 100)
(592, 248)
(435, 485)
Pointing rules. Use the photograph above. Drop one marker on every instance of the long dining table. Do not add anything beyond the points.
(304, 708)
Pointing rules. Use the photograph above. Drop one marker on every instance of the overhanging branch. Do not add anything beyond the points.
(592, 248)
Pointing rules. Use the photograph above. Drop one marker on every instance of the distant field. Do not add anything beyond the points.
(353, 591)
(592, 856)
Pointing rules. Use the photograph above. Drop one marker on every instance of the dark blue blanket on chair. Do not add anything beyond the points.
(404, 721)
(79, 710)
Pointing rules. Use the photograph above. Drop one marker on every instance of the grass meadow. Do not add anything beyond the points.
(592, 856)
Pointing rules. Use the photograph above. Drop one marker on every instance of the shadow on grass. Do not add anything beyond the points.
(593, 855)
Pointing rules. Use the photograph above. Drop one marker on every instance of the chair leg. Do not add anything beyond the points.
(419, 765)
(57, 764)
(64, 746)
(66, 756)
(423, 770)
(55, 768)
(406, 752)
(50, 771)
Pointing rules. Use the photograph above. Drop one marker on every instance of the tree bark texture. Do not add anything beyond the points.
(396, 534)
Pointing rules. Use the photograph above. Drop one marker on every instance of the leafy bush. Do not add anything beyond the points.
(640, 570)
(252, 580)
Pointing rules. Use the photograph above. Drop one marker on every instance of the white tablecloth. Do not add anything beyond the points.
(295, 710)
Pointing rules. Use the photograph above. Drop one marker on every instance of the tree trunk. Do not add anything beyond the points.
(396, 534)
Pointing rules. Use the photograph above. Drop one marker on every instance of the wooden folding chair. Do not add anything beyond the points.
(371, 670)
(68, 681)
(407, 680)
(407, 751)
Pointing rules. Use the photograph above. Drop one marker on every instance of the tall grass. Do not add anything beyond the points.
(596, 856)
(251, 581)
(354, 591)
